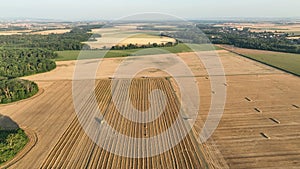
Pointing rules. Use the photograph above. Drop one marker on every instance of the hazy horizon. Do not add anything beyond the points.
(110, 10)
(225, 19)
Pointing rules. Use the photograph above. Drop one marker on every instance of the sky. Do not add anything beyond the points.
(114, 9)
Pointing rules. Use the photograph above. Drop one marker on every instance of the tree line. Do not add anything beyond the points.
(18, 62)
(23, 55)
(272, 44)
(12, 90)
(188, 36)
(15, 63)
(57, 42)
(137, 46)
(244, 38)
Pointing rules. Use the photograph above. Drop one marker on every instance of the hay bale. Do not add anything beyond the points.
(248, 99)
(275, 120)
(7, 123)
(296, 106)
(265, 135)
(257, 109)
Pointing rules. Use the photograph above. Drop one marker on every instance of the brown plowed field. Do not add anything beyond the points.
(261, 102)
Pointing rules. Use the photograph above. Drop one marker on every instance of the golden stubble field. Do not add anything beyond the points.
(269, 27)
(14, 32)
(44, 32)
(54, 31)
(124, 35)
(261, 101)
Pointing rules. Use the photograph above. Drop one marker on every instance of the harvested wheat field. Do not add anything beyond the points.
(187, 154)
(125, 35)
(269, 27)
(19, 32)
(54, 31)
(259, 128)
(112, 39)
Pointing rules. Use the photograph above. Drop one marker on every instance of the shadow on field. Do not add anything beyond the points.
(6, 123)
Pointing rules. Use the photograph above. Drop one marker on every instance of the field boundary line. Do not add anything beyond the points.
(272, 66)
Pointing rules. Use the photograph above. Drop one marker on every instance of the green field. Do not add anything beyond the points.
(285, 61)
(180, 48)
(289, 62)
(11, 142)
